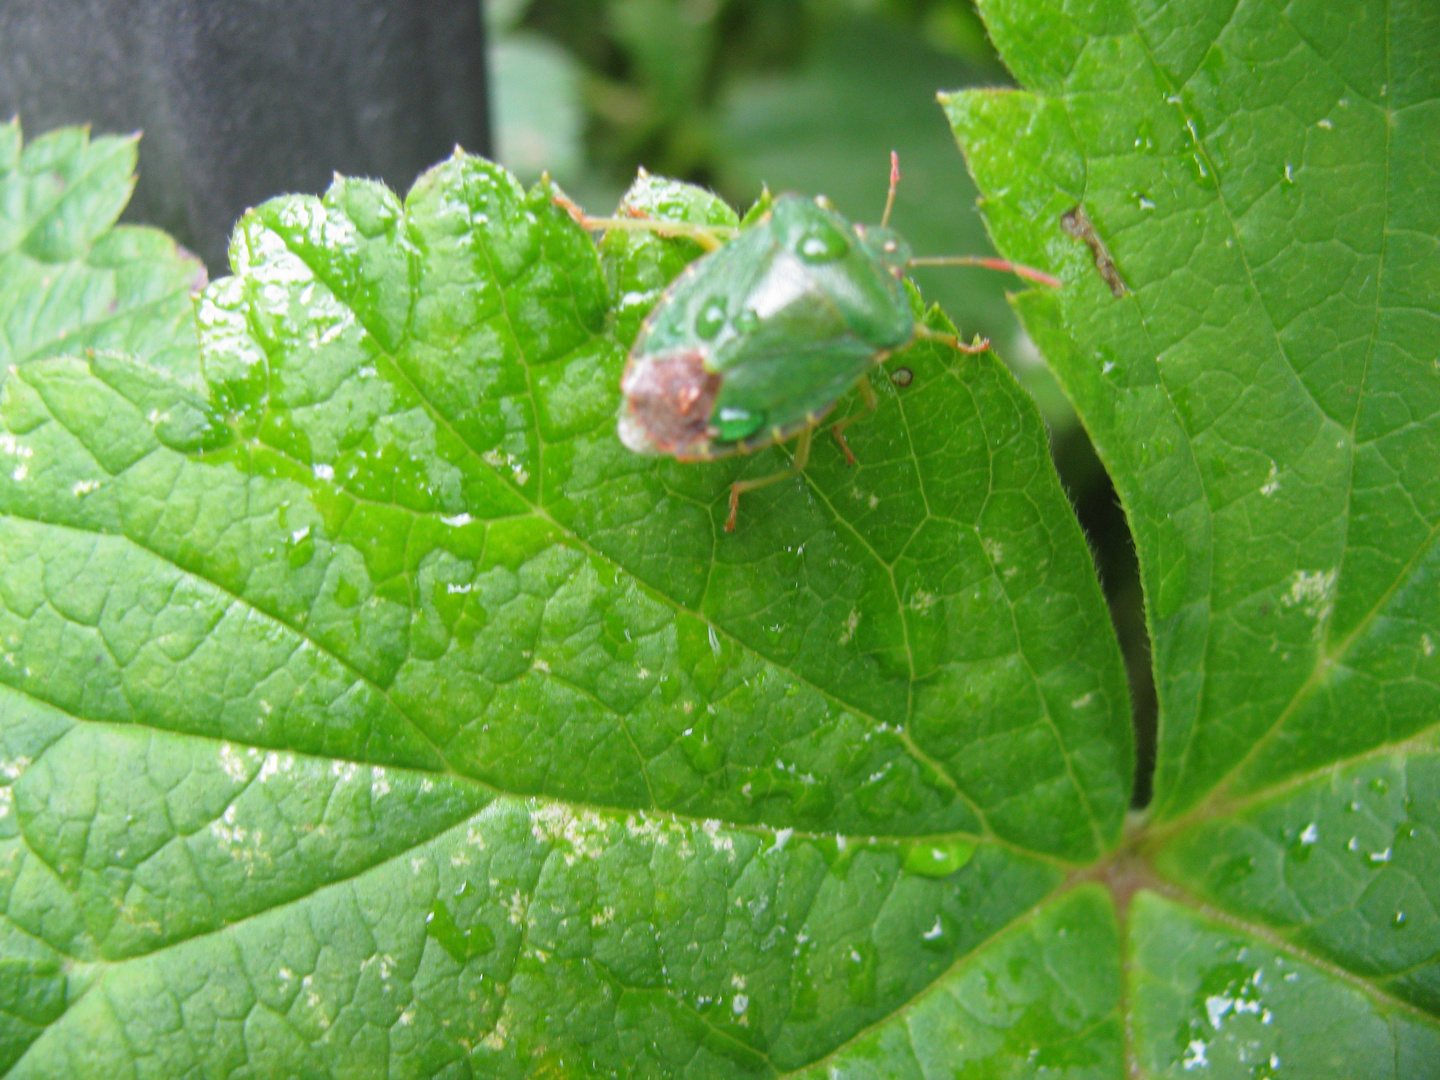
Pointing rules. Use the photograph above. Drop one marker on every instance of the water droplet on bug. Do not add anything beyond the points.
(823, 244)
(710, 320)
(746, 321)
(735, 424)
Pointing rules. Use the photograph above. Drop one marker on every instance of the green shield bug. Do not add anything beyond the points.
(755, 342)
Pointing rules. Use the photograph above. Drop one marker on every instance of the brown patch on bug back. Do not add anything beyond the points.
(671, 397)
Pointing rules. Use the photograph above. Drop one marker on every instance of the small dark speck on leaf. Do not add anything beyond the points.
(902, 376)
(1077, 223)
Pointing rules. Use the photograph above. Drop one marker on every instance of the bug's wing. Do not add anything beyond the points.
(699, 307)
(798, 355)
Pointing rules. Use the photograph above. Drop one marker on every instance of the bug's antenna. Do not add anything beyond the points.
(1027, 272)
(894, 183)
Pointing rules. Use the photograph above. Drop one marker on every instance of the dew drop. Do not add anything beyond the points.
(823, 244)
(746, 321)
(736, 423)
(710, 319)
(936, 858)
(863, 962)
(1398, 922)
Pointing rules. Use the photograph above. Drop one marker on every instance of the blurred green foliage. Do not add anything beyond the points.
(807, 96)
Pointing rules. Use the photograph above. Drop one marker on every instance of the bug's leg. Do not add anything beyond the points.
(797, 464)
(872, 402)
(977, 346)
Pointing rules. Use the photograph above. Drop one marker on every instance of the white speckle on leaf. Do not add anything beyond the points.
(496, 1039)
(1314, 592)
(782, 837)
(84, 487)
(1272, 482)
(515, 907)
(718, 840)
(344, 771)
(740, 1004)
(1083, 700)
(1310, 835)
(1427, 645)
(852, 622)
(14, 447)
(231, 763)
(323, 471)
(379, 783)
(935, 931)
(457, 520)
(921, 601)
(1195, 1056)
(1324, 123)
(12, 768)
(497, 460)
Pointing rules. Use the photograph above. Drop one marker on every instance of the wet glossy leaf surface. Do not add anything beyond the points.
(1266, 395)
(369, 710)
(68, 280)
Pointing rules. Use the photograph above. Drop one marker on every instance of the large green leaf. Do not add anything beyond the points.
(366, 709)
(369, 710)
(1266, 394)
(70, 280)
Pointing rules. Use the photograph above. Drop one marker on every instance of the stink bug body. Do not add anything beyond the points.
(756, 341)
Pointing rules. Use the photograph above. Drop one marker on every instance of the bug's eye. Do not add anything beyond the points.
(710, 320)
(822, 244)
